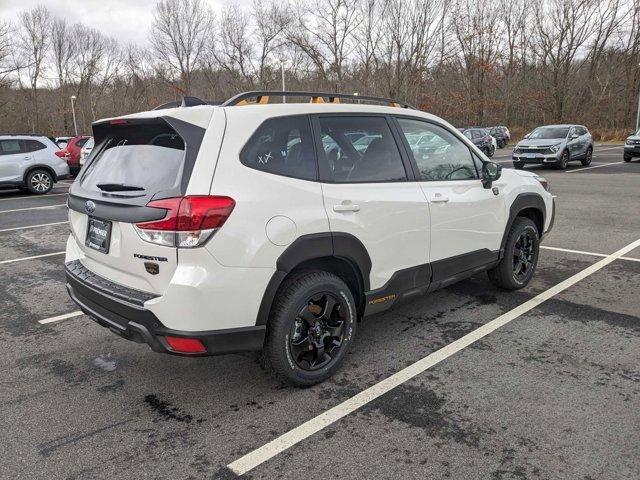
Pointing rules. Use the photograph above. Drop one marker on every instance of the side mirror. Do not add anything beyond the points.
(526, 136)
(490, 173)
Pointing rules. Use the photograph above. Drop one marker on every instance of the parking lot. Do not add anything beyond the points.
(539, 383)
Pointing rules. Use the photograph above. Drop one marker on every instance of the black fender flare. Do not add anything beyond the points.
(309, 247)
(523, 201)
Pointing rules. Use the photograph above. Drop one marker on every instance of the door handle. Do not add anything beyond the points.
(439, 198)
(349, 207)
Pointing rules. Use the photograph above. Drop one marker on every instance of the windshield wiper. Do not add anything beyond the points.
(119, 187)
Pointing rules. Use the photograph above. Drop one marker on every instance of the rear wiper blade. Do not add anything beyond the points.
(118, 187)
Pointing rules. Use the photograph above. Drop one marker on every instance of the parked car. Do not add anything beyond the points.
(71, 153)
(277, 233)
(632, 146)
(481, 138)
(501, 134)
(554, 145)
(61, 142)
(85, 151)
(29, 162)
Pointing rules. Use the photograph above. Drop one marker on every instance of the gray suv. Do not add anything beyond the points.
(554, 145)
(632, 146)
(30, 162)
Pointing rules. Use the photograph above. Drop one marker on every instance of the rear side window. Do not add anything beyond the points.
(149, 156)
(9, 147)
(359, 149)
(33, 145)
(282, 146)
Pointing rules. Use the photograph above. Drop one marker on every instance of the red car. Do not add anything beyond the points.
(71, 153)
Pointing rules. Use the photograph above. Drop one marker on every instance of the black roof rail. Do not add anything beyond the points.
(185, 102)
(262, 97)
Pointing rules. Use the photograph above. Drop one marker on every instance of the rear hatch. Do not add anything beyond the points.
(134, 162)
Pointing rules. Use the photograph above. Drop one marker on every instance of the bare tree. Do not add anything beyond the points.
(271, 21)
(34, 41)
(180, 31)
(563, 29)
(324, 31)
(234, 50)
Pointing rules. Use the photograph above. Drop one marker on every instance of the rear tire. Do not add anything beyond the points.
(39, 182)
(306, 345)
(517, 266)
(586, 161)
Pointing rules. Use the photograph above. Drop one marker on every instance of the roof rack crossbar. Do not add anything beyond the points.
(247, 98)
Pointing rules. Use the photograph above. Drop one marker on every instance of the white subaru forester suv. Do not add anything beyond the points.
(204, 230)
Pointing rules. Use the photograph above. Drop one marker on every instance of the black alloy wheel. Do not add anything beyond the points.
(524, 256)
(311, 327)
(317, 333)
(516, 268)
(587, 158)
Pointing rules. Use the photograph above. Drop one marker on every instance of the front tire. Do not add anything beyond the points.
(586, 161)
(520, 259)
(564, 160)
(311, 328)
(39, 182)
(518, 165)
(627, 158)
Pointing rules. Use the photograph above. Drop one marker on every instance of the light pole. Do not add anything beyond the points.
(73, 112)
(284, 99)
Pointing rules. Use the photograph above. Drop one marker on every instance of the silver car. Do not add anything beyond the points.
(30, 162)
(555, 145)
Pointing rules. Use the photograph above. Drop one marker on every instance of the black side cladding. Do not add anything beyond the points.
(310, 247)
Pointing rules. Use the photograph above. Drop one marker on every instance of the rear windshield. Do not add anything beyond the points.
(149, 157)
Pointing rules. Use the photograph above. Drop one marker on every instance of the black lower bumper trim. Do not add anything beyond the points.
(140, 325)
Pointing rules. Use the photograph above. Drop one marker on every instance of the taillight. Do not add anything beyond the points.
(189, 222)
(185, 345)
(60, 153)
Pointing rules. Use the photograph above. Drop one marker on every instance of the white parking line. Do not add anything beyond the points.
(13, 229)
(33, 196)
(34, 257)
(33, 208)
(300, 433)
(77, 313)
(589, 168)
(593, 254)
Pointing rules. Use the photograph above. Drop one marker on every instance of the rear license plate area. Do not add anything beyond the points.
(98, 234)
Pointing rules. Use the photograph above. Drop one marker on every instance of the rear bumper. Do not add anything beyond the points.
(105, 303)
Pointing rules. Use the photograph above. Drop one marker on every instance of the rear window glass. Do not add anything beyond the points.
(148, 156)
(282, 146)
(33, 145)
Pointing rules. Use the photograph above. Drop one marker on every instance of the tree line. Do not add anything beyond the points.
(473, 62)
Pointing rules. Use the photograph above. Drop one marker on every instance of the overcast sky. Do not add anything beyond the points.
(126, 20)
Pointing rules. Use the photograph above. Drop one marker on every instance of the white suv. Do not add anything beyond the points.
(203, 230)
